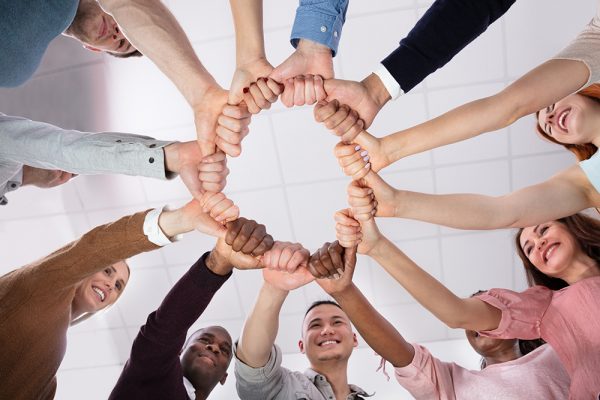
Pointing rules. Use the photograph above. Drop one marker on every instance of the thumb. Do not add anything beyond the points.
(235, 96)
(350, 257)
(279, 74)
(211, 227)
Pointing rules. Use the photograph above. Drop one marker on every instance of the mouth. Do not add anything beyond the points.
(562, 119)
(549, 250)
(103, 29)
(101, 294)
(328, 343)
(209, 358)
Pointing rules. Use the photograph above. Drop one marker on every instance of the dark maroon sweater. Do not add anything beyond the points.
(153, 370)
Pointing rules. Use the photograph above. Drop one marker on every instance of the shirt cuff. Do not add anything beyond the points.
(389, 82)
(152, 229)
(318, 27)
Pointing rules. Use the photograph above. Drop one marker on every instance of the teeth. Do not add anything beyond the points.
(549, 252)
(328, 342)
(561, 120)
(99, 292)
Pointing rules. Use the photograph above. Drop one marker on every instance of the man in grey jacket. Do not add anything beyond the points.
(43, 155)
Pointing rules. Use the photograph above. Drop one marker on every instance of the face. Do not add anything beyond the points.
(207, 356)
(550, 247)
(572, 120)
(327, 334)
(488, 347)
(97, 30)
(101, 289)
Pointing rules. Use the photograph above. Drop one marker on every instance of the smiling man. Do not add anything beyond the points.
(162, 364)
(327, 340)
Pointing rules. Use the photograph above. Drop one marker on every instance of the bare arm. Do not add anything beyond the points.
(539, 88)
(260, 329)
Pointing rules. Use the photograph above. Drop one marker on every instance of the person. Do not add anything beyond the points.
(327, 338)
(562, 261)
(39, 301)
(154, 369)
(511, 368)
(441, 33)
(121, 28)
(43, 155)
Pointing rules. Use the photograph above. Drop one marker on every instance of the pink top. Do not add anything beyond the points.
(537, 375)
(568, 319)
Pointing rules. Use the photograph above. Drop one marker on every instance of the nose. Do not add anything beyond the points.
(540, 243)
(212, 347)
(327, 330)
(110, 285)
(117, 34)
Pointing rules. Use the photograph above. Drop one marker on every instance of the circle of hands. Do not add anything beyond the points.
(345, 108)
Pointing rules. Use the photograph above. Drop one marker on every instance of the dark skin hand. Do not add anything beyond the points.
(246, 240)
(329, 261)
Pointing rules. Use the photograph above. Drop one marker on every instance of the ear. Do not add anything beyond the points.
(90, 48)
(223, 379)
(301, 346)
(354, 340)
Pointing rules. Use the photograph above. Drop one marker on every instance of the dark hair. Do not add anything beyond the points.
(136, 53)
(586, 231)
(320, 303)
(581, 151)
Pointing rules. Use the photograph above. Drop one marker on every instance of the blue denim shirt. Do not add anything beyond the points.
(320, 21)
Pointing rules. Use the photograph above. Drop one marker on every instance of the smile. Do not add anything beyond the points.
(562, 118)
(99, 292)
(328, 343)
(549, 251)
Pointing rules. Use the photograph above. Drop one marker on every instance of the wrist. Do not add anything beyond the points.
(172, 161)
(172, 223)
(217, 263)
(308, 46)
(376, 90)
(198, 95)
(275, 291)
(379, 249)
(340, 294)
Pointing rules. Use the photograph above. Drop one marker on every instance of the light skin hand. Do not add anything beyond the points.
(310, 58)
(302, 90)
(192, 216)
(345, 259)
(286, 257)
(284, 281)
(351, 233)
(219, 207)
(383, 203)
(251, 86)
(339, 119)
(44, 178)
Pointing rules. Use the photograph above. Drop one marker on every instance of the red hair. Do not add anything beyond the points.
(581, 151)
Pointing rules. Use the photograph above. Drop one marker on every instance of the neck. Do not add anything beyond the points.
(582, 268)
(202, 391)
(336, 372)
(504, 355)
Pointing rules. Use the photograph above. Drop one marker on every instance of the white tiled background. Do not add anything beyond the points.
(286, 177)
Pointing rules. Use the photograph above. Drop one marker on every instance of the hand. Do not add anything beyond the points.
(194, 216)
(352, 233)
(340, 119)
(340, 284)
(302, 90)
(286, 256)
(309, 58)
(364, 155)
(251, 86)
(286, 281)
(327, 261)
(372, 196)
(232, 122)
(366, 97)
(198, 175)
(244, 244)
(44, 178)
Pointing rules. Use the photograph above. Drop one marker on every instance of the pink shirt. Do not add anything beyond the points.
(537, 375)
(568, 319)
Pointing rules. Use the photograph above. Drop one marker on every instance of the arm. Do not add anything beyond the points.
(441, 33)
(564, 194)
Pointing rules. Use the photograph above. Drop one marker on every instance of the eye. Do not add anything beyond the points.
(121, 43)
(527, 250)
(108, 271)
(543, 229)
(119, 286)
(312, 326)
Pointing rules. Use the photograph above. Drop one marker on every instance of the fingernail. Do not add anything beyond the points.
(363, 153)
(368, 166)
(336, 276)
(366, 158)
(339, 270)
(357, 148)
(246, 90)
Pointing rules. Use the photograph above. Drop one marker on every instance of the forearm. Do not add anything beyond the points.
(46, 146)
(260, 329)
(443, 31)
(154, 31)
(431, 294)
(379, 334)
(249, 37)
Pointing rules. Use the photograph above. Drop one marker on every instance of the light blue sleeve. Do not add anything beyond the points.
(591, 167)
(320, 21)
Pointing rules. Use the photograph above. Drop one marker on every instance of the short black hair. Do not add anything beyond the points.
(320, 303)
(136, 53)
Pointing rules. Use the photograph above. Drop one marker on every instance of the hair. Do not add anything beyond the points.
(586, 231)
(320, 303)
(581, 151)
(135, 53)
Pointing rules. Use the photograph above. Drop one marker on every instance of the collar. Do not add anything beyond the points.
(320, 380)
(189, 388)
